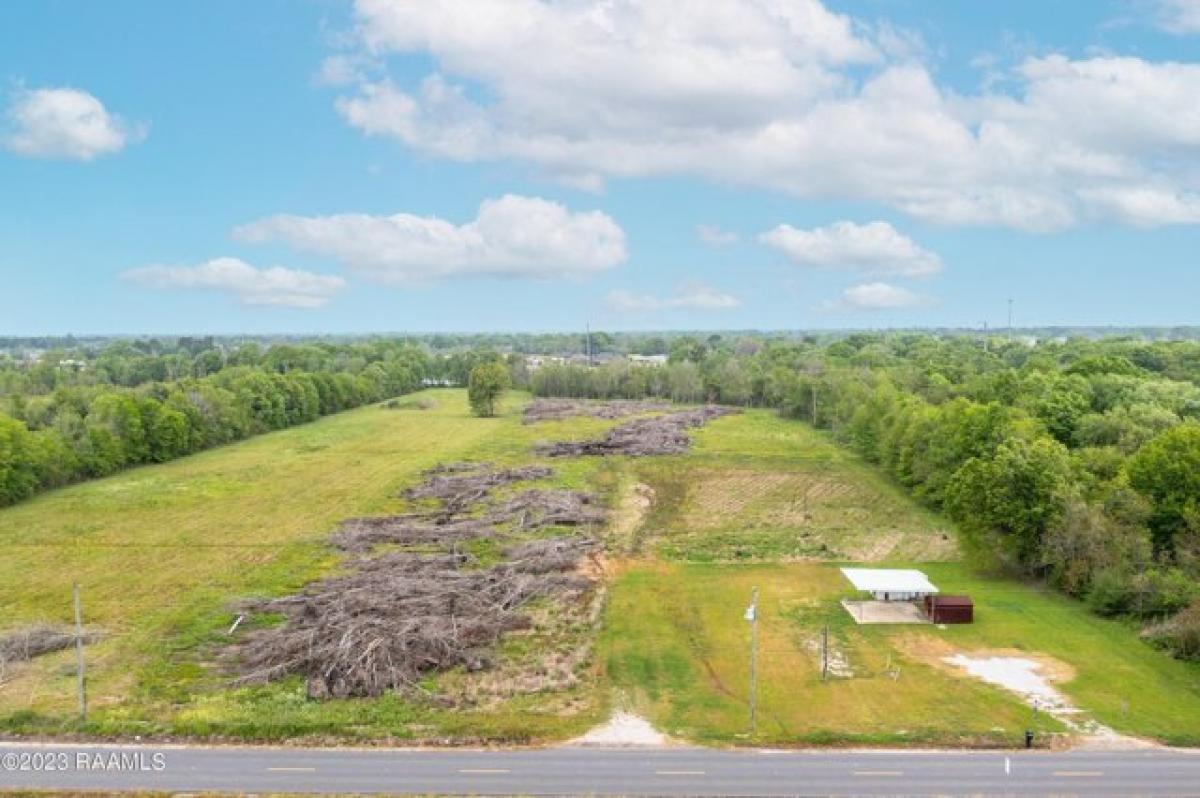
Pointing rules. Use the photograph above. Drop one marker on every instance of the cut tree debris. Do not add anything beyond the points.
(394, 617)
(539, 508)
(558, 409)
(460, 486)
(397, 617)
(640, 437)
(21, 645)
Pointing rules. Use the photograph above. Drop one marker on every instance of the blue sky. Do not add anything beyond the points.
(327, 166)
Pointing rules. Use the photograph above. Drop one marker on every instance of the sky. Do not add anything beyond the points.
(329, 166)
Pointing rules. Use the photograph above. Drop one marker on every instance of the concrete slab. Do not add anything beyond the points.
(868, 612)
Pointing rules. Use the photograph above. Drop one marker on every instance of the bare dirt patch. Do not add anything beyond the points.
(1032, 676)
(624, 730)
(634, 504)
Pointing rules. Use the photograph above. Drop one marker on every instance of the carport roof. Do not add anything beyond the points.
(889, 580)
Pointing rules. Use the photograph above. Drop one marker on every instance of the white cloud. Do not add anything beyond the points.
(876, 296)
(511, 236)
(781, 94)
(1179, 16)
(873, 248)
(1147, 207)
(714, 236)
(65, 123)
(345, 69)
(689, 296)
(251, 286)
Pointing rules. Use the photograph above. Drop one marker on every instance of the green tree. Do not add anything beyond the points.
(1015, 495)
(18, 475)
(1167, 471)
(487, 383)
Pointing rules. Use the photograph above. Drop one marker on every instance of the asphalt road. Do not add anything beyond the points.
(687, 771)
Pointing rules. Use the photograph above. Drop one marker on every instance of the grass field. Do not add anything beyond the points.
(161, 552)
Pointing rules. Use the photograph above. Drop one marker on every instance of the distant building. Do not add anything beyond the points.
(648, 360)
(535, 362)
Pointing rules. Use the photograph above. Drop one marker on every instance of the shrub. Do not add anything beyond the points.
(1180, 635)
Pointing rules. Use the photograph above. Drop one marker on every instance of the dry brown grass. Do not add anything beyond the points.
(851, 519)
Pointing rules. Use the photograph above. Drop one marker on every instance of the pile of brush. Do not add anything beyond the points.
(558, 409)
(666, 434)
(21, 645)
(397, 616)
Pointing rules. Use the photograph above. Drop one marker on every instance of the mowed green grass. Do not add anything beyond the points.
(161, 552)
(676, 647)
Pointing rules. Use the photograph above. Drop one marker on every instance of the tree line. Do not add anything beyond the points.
(74, 415)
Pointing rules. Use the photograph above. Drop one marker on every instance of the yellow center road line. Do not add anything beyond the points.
(484, 770)
(292, 770)
(878, 773)
(679, 773)
(1069, 774)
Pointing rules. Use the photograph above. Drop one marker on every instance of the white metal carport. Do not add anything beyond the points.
(891, 584)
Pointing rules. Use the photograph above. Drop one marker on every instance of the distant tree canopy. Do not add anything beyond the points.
(68, 416)
(487, 383)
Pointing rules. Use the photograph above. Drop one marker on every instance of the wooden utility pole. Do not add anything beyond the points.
(825, 652)
(79, 665)
(752, 616)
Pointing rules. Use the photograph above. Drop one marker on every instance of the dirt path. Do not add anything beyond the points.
(624, 730)
(633, 504)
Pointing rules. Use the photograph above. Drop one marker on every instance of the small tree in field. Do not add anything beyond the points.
(487, 384)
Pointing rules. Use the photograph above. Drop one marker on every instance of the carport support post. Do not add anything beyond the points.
(79, 666)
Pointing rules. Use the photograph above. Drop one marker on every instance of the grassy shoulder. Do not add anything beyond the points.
(160, 552)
